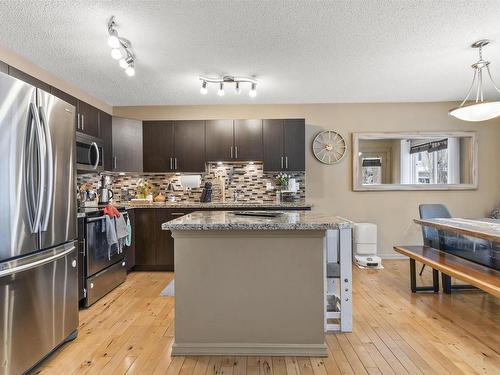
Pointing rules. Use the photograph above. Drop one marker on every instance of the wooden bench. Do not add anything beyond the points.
(482, 277)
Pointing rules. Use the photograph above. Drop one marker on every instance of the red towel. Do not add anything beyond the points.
(111, 211)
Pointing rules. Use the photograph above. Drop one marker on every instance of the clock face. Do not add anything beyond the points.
(329, 147)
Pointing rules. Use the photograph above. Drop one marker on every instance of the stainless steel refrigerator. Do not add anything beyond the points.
(38, 226)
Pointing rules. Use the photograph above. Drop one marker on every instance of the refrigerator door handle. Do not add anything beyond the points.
(50, 170)
(29, 184)
(28, 266)
(41, 170)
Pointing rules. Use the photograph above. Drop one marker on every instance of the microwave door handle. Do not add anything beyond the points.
(41, 169)
(50, 169)
(97, 159)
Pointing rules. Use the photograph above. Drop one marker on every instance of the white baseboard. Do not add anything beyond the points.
(243, 349)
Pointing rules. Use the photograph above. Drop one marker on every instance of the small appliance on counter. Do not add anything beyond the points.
(170, 192)
(206, 194)
(104, 192)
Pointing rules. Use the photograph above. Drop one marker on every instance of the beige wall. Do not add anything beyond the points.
(19, 62)
(330, 187)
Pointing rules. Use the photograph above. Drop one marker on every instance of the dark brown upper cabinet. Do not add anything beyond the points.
(158, 146)
(231, 140)
(87, 119)
(189, 146)
(106, 130)
(248, 140)
(127, 145)
(174, 146)
(28, 79)
(219, 140)
(284, 145)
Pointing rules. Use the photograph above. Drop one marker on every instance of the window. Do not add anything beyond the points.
(429, 162)
(371, 169)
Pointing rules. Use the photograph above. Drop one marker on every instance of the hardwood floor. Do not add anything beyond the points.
(130, 331)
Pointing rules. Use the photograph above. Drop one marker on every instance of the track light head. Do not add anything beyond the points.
(130, 71)
(113, 40)
(203, 89)
(221, 92)
(253, 91)
(116, 53)
(238, 89)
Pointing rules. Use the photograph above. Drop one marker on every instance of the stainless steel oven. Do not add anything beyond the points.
(105, 266)
(89, 153)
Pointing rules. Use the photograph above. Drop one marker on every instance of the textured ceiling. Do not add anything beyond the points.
(300, 51)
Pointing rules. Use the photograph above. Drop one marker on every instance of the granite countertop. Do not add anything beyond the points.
(287, 220)
(84, 211)
(242, 204)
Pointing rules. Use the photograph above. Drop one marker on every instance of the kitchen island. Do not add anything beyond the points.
(253, 285)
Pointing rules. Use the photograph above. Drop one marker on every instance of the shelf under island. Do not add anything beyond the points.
(255, 285)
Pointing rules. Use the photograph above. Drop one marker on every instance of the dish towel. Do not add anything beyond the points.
(121, 232)
(109, 228)
(128, 239)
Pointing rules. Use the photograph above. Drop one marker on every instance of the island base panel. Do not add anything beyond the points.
(249, 293)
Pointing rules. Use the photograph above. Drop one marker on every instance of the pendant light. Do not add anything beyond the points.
(480, 110)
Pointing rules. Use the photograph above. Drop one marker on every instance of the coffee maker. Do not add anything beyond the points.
(105, 193)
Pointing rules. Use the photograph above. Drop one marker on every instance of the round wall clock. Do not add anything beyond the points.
(329, 147)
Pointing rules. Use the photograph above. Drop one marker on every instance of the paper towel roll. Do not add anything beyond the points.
(190, 181)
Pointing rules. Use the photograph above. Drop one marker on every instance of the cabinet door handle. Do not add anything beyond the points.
(236, 152)
(286, 162)
(83, 122)
(231, 152)
(282, 162)
(77, 121)
(114, 162)
(177, 214)
(170, 159)
(175, 163)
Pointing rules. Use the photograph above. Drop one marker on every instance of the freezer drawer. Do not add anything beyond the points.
(102, 283)
(39, 295)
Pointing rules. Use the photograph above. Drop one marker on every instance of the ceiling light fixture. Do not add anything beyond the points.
(479, 110)
(121, 49)
(229, 80)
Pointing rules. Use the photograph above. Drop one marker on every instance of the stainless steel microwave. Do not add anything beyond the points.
(89, 153)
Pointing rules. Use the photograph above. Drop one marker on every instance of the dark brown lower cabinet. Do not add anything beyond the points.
(154, 247)
(130, 251)
(164, 240)
(145, 238)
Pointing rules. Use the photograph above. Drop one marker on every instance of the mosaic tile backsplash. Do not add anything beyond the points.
(248, 179)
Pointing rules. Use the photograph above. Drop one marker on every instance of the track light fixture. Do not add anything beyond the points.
(121, 49)
(227, 80)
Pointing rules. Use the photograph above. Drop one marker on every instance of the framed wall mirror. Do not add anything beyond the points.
(414, 161)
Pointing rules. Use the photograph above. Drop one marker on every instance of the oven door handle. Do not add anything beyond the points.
(91, 220)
